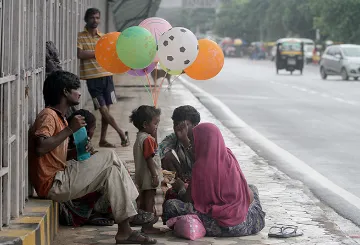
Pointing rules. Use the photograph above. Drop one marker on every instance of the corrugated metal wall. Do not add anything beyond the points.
(26, 25)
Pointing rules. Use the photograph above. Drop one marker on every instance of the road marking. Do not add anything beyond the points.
(324, 95)
(307, 174)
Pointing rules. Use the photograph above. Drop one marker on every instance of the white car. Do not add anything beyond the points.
(343, 60)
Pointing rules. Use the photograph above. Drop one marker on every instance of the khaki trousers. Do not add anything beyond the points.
(103, 171)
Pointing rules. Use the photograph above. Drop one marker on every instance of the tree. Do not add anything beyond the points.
(337, 19)
(265, 19)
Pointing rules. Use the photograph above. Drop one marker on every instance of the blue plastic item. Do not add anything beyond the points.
(81, 140)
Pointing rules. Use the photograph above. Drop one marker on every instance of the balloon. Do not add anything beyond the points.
(157, 27)
(136, 47)
(177, 48)
(208, 63)
(105, 53)
(171, 72)
(142, 72)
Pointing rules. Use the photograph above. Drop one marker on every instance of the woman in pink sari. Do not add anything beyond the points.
(218, 192)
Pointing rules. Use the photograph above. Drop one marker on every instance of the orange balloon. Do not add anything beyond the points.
(208, 63)
(106, 56)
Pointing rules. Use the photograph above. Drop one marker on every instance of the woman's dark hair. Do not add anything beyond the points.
(56, 83)
(89, 12)
(186, 112)
(90, 119)
(143, 114)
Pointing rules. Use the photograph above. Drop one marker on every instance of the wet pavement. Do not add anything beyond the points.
(284, 200)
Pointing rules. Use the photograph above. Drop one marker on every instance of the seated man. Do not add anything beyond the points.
(57, 179)
(181, 162)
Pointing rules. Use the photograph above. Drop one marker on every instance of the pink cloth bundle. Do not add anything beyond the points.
(187, 226)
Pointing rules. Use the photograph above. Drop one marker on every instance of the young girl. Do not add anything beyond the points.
(148, 174)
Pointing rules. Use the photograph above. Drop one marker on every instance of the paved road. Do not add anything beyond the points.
(315, 120)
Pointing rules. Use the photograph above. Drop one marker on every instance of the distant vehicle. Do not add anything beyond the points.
(289, 55)
(343, 60)
(309, 46)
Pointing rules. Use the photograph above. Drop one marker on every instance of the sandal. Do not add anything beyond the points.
(285, 231)
(106, 145)
(143, 218)
(126, 141)
(99, 221)
(137, 238)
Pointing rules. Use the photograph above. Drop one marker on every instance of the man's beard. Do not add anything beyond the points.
(93, 26)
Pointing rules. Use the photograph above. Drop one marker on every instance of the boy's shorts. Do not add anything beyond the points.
(102, 91)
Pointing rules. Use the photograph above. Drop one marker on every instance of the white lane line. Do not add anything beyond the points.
(305, 171)
(340, 100)
(324, 95)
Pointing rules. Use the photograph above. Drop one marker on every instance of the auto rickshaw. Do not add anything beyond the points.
(289, 55)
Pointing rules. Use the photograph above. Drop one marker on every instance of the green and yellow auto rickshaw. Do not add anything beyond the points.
(289, 55)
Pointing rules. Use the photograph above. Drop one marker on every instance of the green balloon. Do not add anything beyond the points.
(136, 47)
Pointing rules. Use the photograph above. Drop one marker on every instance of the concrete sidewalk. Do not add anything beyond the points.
(284, 200)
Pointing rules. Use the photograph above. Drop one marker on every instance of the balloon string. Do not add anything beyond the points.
(171, 82)
(152, 94)
(147, 89)
(158, 91)
(156, 71)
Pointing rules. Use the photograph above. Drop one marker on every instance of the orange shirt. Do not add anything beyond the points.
(43, 169)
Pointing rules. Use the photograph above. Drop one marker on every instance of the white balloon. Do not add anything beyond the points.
(178, 48)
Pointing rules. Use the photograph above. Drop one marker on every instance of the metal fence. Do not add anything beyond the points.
(26, 25)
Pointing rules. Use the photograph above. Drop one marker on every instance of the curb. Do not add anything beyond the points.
(37, 226)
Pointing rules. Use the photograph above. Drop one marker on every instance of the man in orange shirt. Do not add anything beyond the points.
(56, 177)
(99, 82)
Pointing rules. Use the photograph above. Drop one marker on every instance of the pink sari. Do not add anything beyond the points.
(218, 186)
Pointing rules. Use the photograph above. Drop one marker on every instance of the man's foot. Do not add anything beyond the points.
(106, 144)
(152, 230)
(135, 238)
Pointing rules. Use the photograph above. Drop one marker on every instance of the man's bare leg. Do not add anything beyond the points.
(106, 119)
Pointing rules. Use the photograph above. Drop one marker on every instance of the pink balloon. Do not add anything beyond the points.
(157, 27)
(142, 72)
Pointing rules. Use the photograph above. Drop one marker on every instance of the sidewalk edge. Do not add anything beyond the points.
(37, 226)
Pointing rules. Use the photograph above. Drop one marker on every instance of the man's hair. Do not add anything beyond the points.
(143, 114)
(56, 83)
(89, 12)
(186, 112)
(90, 119)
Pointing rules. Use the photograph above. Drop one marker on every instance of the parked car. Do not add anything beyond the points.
(343, 60)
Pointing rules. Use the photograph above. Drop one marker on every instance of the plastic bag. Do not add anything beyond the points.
(187, 226)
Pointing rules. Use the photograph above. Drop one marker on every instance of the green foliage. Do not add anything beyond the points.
(337, 19)
(269, 20)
